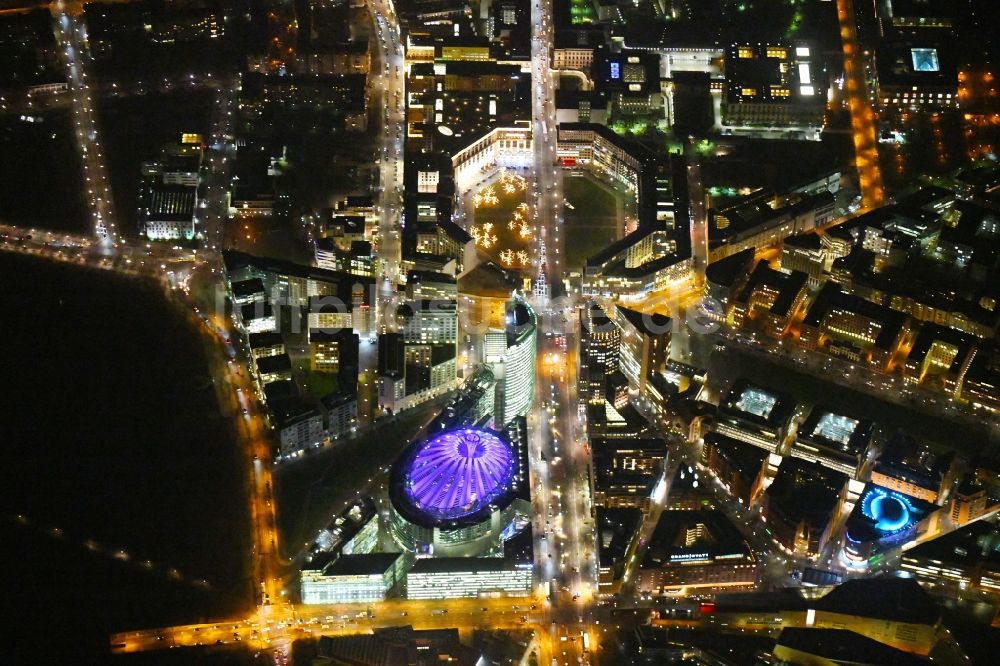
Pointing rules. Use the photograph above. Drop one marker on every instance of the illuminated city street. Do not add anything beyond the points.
(860, 107)
(73, 37)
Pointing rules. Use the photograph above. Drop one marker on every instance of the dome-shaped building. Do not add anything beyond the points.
(453, 494)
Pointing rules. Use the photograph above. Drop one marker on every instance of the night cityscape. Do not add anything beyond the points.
(500, 332)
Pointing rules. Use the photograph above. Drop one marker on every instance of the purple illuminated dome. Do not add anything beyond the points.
(458, 473)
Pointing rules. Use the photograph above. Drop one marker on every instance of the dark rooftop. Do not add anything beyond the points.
(804, 490)
(276, 363)
(615, 529)
(265, 339)
(845, 647)
(369, 564)
(887, 598)
(459, 564)
(645, 322)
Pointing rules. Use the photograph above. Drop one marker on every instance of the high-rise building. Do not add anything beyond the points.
(600, 340)
(515, 370)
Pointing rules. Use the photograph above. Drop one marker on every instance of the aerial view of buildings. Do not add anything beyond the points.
(528, 332)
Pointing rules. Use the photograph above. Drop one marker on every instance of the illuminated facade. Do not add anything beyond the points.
(966, 559)
(834, 440)
(457, 577)
(696, 550)
(515, 371)
(351, 578)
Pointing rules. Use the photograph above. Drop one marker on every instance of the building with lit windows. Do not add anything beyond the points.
(266, 343)
(599, 148)
(352, 206)
(356, 259)
(459, 492)
(627, 472)
(966, 559)
(916, 73)
(740, 468)
(839, 442)
(755, 415)
(256, 318)
(802, 504)
(690, 491)
(696, 552)
(412, 373)
(344, 229)
(581, 106)
(942, 357)
(428, 285)
(780, 85)
(600, 339)
(768, 300)
(458, 577)
(340, 409)
(911, 468)
(617, 538)
(968, 502)
(299, 426)
(658, 251)
(807, 253)
(353, 57)
(295, 284)
(333, 579)
(353, 531)
(766, 219)
(429, 321)
(630, 78)
(273, 368)
(644, 347)
(170, 212)
(851, 327)
(328, 349)
(169, 195)
(574, 48)
(247, 291)
(330, 317)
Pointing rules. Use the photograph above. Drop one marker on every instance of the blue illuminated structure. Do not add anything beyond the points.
(891, 511)
(882, 519)
(453, 478)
